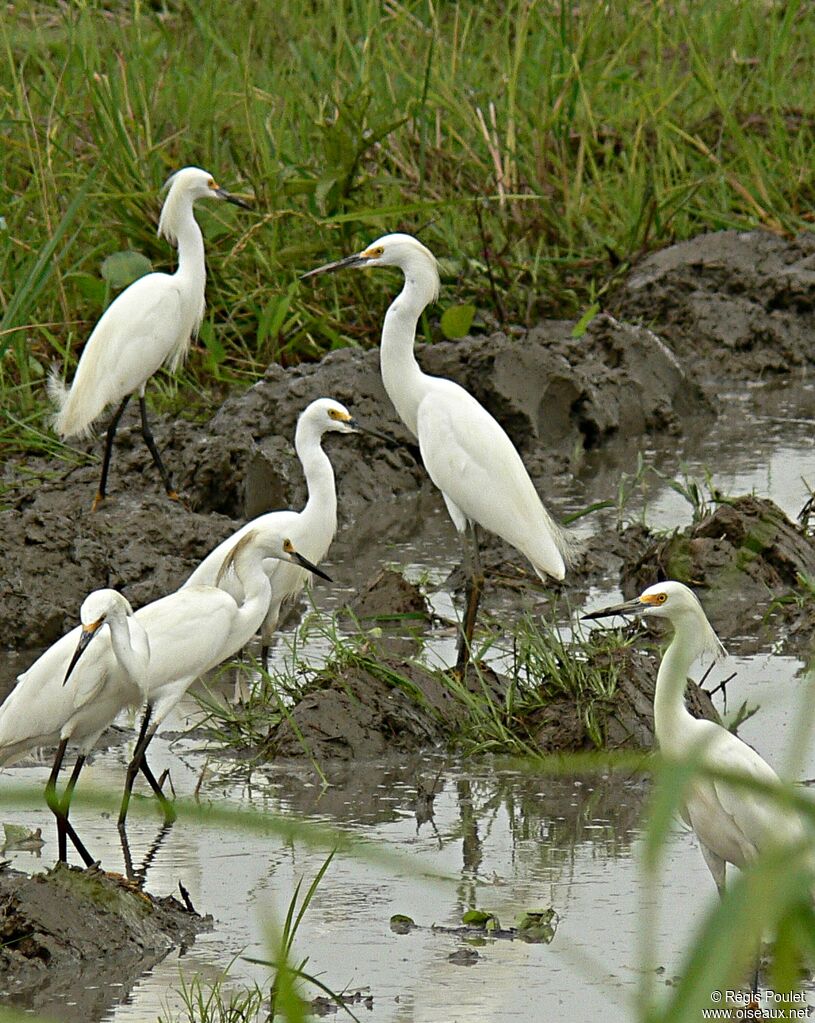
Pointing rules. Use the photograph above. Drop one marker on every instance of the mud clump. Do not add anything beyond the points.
(737, 302)
(554, 393)
(57, 552)
(69, 935)
(373, 705)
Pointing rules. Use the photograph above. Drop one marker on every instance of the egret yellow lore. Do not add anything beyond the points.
(150, 324)
(310, 530)
(732, 824)
(196, 628)
(53, 703)
(466, 452)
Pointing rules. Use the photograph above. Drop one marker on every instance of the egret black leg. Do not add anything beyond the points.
(149, 440)
(475, 587)
(59, 808)
(139, 763)
(53, 801)
(111, 433)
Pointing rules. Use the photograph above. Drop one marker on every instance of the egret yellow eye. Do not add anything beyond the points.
(211, 184)
(661, 598)
(340, 417)
(288, 547)
(374, 253)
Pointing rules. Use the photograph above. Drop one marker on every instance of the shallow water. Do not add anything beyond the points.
(505, 840)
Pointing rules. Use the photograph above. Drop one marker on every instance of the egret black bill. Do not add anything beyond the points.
(628, 608)
(85, 638)
(234, 199)
(358, 259)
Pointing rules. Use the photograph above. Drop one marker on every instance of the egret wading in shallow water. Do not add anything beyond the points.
(196, 628)
(310, 530)
(55, 701)
(732, 824)
(466, 452)
(149, 324)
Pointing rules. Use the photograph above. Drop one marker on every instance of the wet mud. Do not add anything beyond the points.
(740, 303)
(73, 942)
(559, 396)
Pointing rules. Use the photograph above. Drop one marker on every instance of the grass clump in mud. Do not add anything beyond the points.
(556, 689)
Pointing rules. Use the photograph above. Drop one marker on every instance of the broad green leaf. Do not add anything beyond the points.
(457, 320)
(122, 268)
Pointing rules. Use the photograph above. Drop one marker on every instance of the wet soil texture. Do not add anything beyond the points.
(717, 308)
(73, 942)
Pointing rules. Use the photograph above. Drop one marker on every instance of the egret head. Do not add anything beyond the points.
(677, 603)
(328, 416)
(183, 188)
(264, 543)
(98, 607)
(404, 251)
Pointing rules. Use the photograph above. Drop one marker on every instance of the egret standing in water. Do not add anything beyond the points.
(197, 627)
(310, 530)
(466, 452)
(149, 324)
(53, 703)
(732, 824)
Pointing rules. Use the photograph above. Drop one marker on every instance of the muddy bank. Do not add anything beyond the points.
(730, 305)
(73, 942)
(554, 393)
(370, 704)
(737, 304)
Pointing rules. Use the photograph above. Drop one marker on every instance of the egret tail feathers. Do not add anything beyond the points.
(70, 419)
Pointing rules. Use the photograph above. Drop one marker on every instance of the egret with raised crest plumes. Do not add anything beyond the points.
(150, 324)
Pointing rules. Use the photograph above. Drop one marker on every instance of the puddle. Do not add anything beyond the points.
(509, 841)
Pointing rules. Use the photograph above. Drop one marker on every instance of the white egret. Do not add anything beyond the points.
(47, 707)
(197, 627)
(149, 324)
(310, 530)
(466, 452)
(732, 824)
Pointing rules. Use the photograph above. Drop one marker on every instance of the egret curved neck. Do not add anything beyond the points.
(191, 262)
(319, 473)
(129, 642)
(670, 712)
(404, 381)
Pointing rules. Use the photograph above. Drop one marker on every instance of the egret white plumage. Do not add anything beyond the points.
(53, 703)
(732, 824)
(149, 324)
(199, 626)
(310, 530)
(467, 454)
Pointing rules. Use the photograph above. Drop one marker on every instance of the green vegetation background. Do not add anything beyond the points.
(540, 147)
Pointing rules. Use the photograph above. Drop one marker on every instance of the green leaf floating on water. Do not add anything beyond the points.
(122, 268)
(457, 320)
(17, 836)
(481, 918)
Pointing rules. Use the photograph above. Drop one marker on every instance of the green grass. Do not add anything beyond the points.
(539, 146)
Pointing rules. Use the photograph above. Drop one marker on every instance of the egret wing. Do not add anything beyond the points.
(138, 332)
(476, 466)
